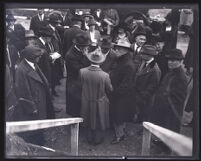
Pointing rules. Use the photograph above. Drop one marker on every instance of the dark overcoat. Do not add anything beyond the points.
(170, 95)
(122, 78)
(75, 60)
(69, 35)
(17, 36)
(32, 90)
(36, 24)
(110, 62)
(96, 85)
(146, 83)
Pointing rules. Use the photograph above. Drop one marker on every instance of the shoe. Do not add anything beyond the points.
(117, 140)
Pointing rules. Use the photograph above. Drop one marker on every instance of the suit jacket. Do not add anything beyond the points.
(36, 24)
(112, 15)
(146, 83)
(95, 86)
(69, 35)
(33, 93)
(97, 35)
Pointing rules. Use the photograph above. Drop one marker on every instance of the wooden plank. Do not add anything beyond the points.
(74, 139)
(178, 143)
(146, 141)
(21, 126)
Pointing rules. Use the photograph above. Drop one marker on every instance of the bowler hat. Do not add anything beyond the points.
(91, 22)
(96, 56)
(148, 50)
(10, 17)
(82, 39)
(139, 31)
(30, 34)
(175, 54)
(105, 42)
(31, 53)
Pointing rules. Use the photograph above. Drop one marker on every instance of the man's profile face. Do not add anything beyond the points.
(40, 11)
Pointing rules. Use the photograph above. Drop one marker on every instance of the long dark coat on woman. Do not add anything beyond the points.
(122, 78)
(146, 83)
(75, 60)
(33, 93)
(170, 95)
(96, 85)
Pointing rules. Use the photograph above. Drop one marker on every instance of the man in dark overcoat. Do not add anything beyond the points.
(38, 21)
(170, 96)
(121, 99)
(146, 82)
(16, 31)
(75, 60)
(33, 93)
(70, 33)
(106, 47)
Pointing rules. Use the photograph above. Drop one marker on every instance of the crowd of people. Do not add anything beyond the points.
(116, 72)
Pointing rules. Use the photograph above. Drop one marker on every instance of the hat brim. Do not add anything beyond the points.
(174, 58)
(86, 44)
(100, 59)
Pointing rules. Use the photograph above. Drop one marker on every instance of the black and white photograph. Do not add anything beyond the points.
(98, 80)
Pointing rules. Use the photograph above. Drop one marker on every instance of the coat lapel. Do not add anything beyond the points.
(32, 73)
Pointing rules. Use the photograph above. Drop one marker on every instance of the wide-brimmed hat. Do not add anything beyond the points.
(82, 39)
(96, 56)
(30, 34)
(140, 31)
(31, 52)
(10, 17)
(124, 44)
(105, 42)
(148, 50)
(45, 32)
(87, 15)
(175, 54)
(92, 22)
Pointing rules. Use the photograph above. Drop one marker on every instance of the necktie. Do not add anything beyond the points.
(137, 48)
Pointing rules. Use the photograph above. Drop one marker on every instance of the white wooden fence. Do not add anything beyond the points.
(178, 143)
(22, 126)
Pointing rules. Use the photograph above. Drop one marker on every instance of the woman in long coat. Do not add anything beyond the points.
(96, 85)
(122, 78)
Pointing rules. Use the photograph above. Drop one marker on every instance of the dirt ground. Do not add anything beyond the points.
(59, 138)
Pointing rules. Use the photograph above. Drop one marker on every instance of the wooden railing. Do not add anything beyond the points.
(22, 126)
(178, 143)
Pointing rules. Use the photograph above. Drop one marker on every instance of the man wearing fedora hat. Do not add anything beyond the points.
(122, 77)
(171, 94)
(16, 31)
(96, 86)
(33, 93)
(107, 48)
(146, 82)
(70, 33)
(75, 60)
(37, 21)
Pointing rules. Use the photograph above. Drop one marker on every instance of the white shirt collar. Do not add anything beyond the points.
(53, 28)
(137, 46)
(41, 39)
(95, 65)
(77, 25)
(31, 64)
(77, 48)
(41, 17)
